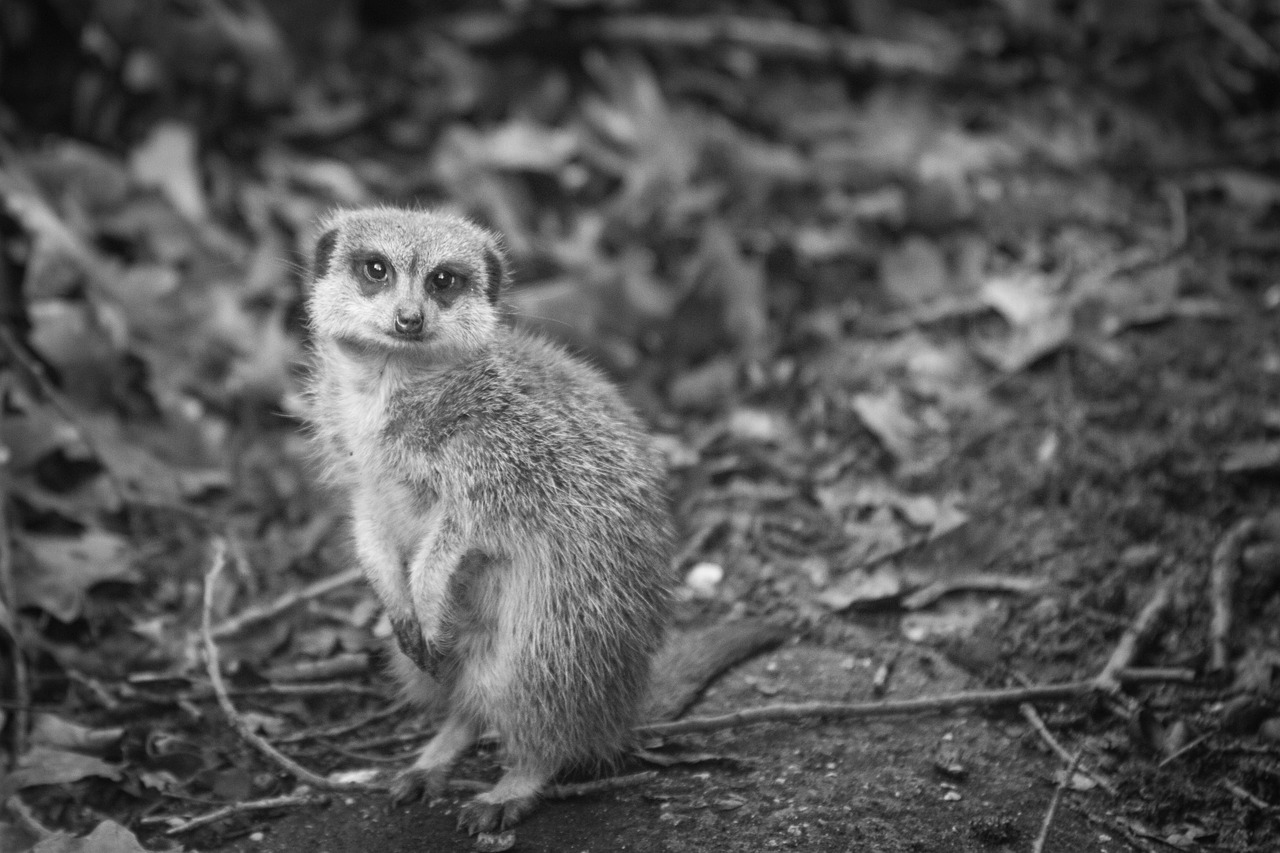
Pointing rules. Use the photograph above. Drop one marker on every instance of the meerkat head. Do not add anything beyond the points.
(406, 281)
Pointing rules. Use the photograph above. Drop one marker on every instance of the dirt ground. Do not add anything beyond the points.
(939, 783)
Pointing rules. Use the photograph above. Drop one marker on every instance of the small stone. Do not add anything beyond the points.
(1270, 730)
(703, 579)
(495, 842)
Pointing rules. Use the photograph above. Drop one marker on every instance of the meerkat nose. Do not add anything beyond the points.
(408, 321)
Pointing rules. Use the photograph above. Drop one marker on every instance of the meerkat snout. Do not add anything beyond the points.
(408, 321)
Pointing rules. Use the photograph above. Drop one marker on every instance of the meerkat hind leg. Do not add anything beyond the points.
(428, 776)
(508, 803)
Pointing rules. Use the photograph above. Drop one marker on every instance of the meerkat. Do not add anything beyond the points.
(506, 504)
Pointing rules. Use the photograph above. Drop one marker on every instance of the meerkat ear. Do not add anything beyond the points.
(495, 263)
(324, 253)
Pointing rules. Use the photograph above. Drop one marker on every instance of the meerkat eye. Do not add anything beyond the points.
(376, 269)
(443, 280)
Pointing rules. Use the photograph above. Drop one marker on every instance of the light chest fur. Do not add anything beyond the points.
(391, 515)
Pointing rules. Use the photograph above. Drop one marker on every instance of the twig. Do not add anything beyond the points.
(9, 602)
(922, 705)
(779, 39)
(1248, 797)
(220, 690)
(354, 663)
(600, 786)
(1254, 46)
(1063, 782)
(1224, 571)
(1134, 636)
(1155, 674)
(240, 808)
(274, 608)
(27, 818)
(980, 582)
(351, 726)
(775, 38)
(1029, 712)
(862, 710)
(1176, 754)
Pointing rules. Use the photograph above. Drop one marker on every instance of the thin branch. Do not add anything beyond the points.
(272, 609)
(600, 786)
(240, 808)
(1235, 30)
(1029, 713)
(863, 710)
(1248, 797)
(773, 38)
(922, 705)
(1224, 572)
(1138, 632)
(9, 603)
(1176, 754)
(220, 690)
(339, 666)
(351, 726)
(1063, 782)
(979, 582)
(26, 818)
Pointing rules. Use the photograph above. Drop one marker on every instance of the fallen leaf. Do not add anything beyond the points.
(1022, 297)
(44, 766)
(93, 177)
(915, 272)
(738, 282)
(167, 160)
(708, 386)
(54, 572)
(885, 415)
(52, 731)
(862, 588)
(952, 619)
(521, 145)
(1028, 343)
(107, 837)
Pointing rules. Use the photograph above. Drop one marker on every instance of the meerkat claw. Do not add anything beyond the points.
(479, 815)
(415, 785)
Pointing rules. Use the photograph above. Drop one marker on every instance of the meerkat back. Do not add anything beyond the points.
(507, 506)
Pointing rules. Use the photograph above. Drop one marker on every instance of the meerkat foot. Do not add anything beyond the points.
(510, 801)
(428, 777)
(480, 815)
(412, 785)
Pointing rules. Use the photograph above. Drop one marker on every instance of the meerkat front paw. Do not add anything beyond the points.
(428, 657)
(481, 815)
(415, 785)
